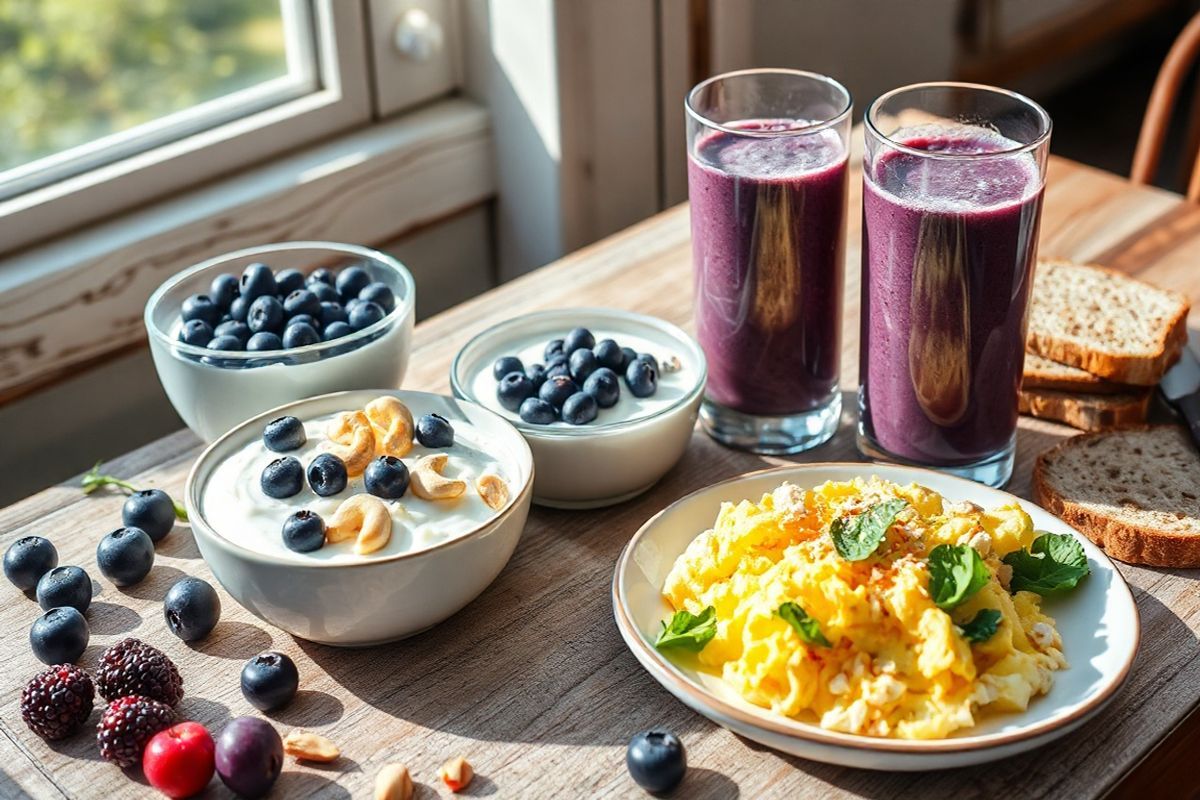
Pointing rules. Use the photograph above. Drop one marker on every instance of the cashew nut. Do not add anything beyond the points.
(493, 490)
(363, 518)
(352, 440)
(428, 483)
(393, 424)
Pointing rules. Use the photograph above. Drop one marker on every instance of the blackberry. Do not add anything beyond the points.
(57, 701)
(132, 667)
(128, 723)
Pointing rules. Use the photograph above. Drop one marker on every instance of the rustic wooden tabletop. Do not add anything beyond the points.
(531, 682)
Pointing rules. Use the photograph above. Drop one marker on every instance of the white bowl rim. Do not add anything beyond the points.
(701, 697)
(404, 306)
(198, 522)
(460, 389)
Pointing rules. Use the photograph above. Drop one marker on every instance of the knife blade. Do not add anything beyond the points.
(1181, 387)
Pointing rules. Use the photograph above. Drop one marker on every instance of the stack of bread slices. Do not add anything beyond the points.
(1099, 341)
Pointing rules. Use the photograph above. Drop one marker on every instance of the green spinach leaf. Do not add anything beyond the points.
(688, 631)
(1054, 562)
(955, 573)
(805, 626)
(982, 627)
(857, 537)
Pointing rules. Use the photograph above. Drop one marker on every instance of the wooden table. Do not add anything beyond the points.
(532, 682)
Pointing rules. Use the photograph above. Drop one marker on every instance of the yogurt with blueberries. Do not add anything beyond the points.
(274, 493)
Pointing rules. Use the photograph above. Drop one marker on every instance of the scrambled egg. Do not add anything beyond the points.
(898, 665)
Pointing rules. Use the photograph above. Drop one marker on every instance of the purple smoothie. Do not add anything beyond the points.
(768, 217)
(948, 254)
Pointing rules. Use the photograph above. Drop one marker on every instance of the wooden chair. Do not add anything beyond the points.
(1159, 111)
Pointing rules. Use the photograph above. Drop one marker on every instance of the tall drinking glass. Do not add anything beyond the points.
(953, 176)
(767, 153)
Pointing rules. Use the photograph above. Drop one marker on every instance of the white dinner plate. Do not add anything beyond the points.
(1098, 622)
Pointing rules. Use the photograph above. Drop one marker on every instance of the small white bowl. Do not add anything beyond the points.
(214, 394)
(1098, 622)
(603, 462)
(375, 599)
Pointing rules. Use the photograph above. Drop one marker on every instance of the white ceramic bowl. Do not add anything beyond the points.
(603, 462)
(372, 600)
(1098, 622)
(214, 394)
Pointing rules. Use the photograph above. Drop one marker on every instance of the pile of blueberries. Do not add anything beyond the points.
(578, 379)
(267, 311)
(386, 477)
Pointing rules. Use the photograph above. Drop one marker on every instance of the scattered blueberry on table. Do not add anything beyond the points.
(270, 680)
(580, 377)
(65, 586)
(125, 556)
(59, 636)
(152, 510)
(191, 609)
(656, 760)
(27, 560)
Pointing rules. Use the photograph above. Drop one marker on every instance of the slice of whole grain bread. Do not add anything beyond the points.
(1042, 373)
(1136, 492)
(1088, 412)
(1105, 322)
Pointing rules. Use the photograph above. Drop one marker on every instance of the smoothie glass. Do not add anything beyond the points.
(953, 176)
(767, 154)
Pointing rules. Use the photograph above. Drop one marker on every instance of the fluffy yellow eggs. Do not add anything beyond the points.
(859, 644)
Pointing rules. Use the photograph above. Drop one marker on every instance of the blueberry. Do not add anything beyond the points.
(306, 319)
(284, 434)
(537, 411)
(283, 477)
(336, 330)
(264, 340)
(300, 335)
(605, 386)
(288, 281)
(151, 510)
(386, 477)
(365, 314)
(351, 304)
(649, 359)
(577, 339)
(351, 281)
(557, 369)
(322, 275)
(332, 312)
(191, 609)
(201, 307)
(554, 347)
(557, 389)
(238, 330)
(505, 365)
(266, 314)
(327, 474)
(27, 559)
(65, 586)
(580, 409)
(196, 332)
(59, 636)
(239, 309)
(641, 378)
(270, 680)
(582, 364)
(125, 556)
(512, 389)
(608, 354)
(223, 290)
(301, 301)
(434, 430)
(257, 281)
(304, 532)
(656, 760)
(628, 354)
(536, 374)
(380, 294)
(227, 344)
(324, 292)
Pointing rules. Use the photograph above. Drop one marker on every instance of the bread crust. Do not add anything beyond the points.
(1133, 544)
(1087, 412)
(1116, 367)
(1034, 378)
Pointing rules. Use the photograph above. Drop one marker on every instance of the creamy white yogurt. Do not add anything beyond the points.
(236, 508)
(673, 384)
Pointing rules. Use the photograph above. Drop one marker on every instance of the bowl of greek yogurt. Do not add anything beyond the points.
(222, 359)
(588, 454)
(361, 517)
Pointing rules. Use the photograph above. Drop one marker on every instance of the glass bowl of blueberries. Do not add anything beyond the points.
(250, 330)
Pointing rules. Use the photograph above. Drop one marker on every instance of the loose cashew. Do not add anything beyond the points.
(352, 440)
(393, 424)
(363, 518)
(428, 483)
(493, 490)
